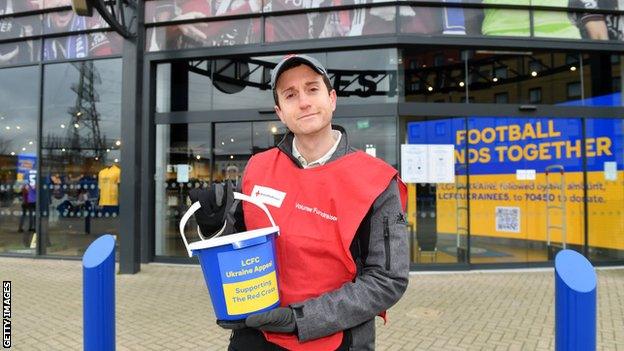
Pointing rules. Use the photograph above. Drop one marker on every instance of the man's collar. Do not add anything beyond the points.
(285, 145)
(337, 135)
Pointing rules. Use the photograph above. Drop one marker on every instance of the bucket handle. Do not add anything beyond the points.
(195, 206)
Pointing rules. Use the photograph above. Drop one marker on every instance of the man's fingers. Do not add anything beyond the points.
(192, 31)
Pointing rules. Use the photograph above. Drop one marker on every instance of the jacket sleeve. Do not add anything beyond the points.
(380, 283)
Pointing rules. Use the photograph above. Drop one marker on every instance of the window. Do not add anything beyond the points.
(574, 90)
(501, 98)
(19, 99)
(535, 95)
(80, 154)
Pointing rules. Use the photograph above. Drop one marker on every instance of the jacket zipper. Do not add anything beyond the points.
(387, 241)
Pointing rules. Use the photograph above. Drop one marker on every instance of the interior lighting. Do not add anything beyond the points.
(231, 157)
(494, 79)
(12, 153)
(7, 128)
(461, 84)
(76, 125)
(62, 126)
(23, 149)
(79, 113)
(231, 140)
(274, 130)
(63, 149)
(534, 74)
(116, 160)
(107, 150)
(118, 142)
(18, 127)
(572, 68)
(30, 143)
(96, 158)
(222, 143)
(198, 157)
(430, 88)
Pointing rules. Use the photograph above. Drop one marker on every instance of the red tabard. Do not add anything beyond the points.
(318, 211)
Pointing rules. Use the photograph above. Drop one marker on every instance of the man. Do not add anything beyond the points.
(342, 253)
(231, 175)
(68, 47)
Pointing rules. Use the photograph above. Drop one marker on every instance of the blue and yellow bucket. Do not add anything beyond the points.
(240, 269)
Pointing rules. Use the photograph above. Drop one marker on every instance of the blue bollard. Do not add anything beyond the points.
(98, 269)
(575, 302)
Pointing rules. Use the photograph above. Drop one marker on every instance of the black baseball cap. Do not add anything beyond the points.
(292, 60)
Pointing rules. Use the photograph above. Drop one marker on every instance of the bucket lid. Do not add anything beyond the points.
(232, 238)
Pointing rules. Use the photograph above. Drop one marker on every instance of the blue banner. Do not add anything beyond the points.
(499, 145)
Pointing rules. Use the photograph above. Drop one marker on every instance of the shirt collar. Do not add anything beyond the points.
(337, 135)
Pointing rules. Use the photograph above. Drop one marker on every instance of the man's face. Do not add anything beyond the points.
(305, 105)
(60, 20)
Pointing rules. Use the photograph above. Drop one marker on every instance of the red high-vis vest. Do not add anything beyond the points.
(318, 211)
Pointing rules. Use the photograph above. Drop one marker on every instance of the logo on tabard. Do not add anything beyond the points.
(268, 195)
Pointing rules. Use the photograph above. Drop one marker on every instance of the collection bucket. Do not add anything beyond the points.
(240, 269)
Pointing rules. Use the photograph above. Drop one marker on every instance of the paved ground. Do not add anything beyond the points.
(166, 307)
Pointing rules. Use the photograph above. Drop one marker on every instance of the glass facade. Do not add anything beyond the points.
(492, 178)
(80, 152)
(266, 21)
(18, 159)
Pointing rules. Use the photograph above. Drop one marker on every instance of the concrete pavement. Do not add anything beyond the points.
(166, 307)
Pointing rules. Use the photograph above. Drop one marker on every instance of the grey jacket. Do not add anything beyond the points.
(382, 276)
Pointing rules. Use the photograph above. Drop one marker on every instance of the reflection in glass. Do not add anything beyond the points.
(525, 77)
(238, 83)
(163, 87)
(376, 136)
(364, 76)
(18, 159)
(81, 151)
(605, 188)
(434, 76)
(437, 208)
(183, 162)
(267, 134)
(82, 46)
(602, 83)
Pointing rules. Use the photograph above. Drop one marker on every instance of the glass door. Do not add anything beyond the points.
(434, 168)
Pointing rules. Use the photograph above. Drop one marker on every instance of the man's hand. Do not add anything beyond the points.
(193, 30)
(214, 204)
(279, 320)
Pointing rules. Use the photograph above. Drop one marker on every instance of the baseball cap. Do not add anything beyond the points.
(292, 60)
